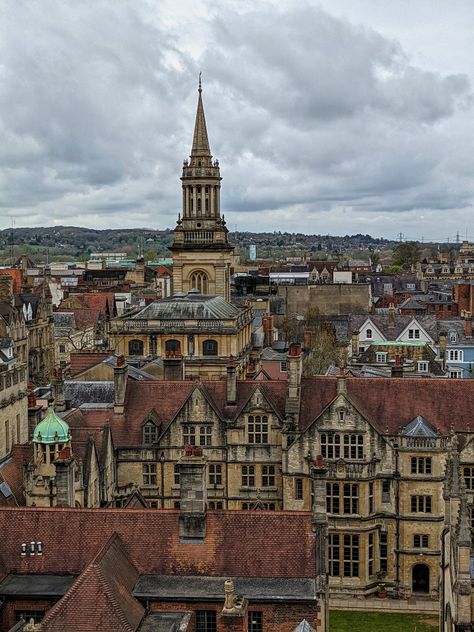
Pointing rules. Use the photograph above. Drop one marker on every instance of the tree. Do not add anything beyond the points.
(292, 328)
(322, 354)
(406, 254)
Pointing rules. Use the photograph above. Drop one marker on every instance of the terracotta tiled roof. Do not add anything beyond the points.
(237, 543)
(275, 392)
(101, 597)
(11, 472)
(391, 403)
(82, 360)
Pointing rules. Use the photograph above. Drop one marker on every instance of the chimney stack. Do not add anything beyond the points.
(193, 490)
(443, 343)
(267, 323)
(397, 368)
(468, 325)
(391, 315)
(355, 343)
(341, 382)
(120, 385)
(295, 371)
(58, 391)
(173, 366)
(231, 381)
(234, 614)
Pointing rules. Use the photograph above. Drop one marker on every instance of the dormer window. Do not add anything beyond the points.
(150, 433)
(368, 334)
(414, 334)
(341, 415)
(453, 337)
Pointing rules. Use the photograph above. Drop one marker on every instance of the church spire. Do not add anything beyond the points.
(200, 140)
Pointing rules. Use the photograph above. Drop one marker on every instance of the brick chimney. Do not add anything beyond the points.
(193, 490)
(231, 381)
(173, 366)
(234, 615)
(120, 385)
(267, 324)
(58, 391)
(397, 368)
(468, 325)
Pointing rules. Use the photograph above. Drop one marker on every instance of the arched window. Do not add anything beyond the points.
(199, 281)
(209, 348)
(135, 347)
(172, 347)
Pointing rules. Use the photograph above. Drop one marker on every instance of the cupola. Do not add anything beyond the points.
(52, 429)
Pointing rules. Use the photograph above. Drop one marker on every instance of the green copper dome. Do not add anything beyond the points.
(51, 429)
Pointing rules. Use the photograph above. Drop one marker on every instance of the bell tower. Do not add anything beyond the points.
(201, 249)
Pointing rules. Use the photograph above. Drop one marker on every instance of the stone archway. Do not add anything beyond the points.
(421, 579)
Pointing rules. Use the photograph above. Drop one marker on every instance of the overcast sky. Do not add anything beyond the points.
(338, 116)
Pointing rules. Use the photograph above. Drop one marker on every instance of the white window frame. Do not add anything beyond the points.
(423, 366)
(455, 355)
(381, 357)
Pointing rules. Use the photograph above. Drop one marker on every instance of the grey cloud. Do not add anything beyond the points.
(307, 113)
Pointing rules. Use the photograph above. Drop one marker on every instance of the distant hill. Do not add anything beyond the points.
(73, 242)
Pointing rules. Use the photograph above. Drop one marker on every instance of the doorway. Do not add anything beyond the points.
(421, 579)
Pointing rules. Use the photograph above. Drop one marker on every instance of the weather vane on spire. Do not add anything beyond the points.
(200, 89)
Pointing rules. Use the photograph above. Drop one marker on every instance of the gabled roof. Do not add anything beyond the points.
(389, 404)
(101, 597)
(419, 427)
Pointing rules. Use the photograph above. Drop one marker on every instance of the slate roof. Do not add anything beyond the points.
(172, 587)
(189, 307)
(36, 585)
(79, 393)
(455, 325)
(382, 322)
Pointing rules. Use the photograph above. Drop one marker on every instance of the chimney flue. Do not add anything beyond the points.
(120, 385)
(231, 381)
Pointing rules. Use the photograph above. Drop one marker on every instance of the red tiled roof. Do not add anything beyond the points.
(101, 598)
(16, 275)
(82, 360)
(391, 403)
(84, 317)
(11, 472)
(237, 543)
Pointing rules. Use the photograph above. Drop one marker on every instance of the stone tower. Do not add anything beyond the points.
(201, 249)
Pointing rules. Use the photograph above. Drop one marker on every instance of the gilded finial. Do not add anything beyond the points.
(200, 88)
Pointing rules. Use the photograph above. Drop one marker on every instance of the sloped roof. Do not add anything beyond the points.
(401, 321)
(389, 404)
(96, 392)
(11, 473)
(189, 307)
(419, 427)
(237, 543)
(81, 360)
(101, 597)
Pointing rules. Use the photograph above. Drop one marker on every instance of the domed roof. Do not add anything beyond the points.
(51, 429)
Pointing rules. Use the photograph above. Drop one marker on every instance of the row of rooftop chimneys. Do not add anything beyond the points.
(294, 367)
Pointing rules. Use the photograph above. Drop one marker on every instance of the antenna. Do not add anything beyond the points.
(11, 241)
